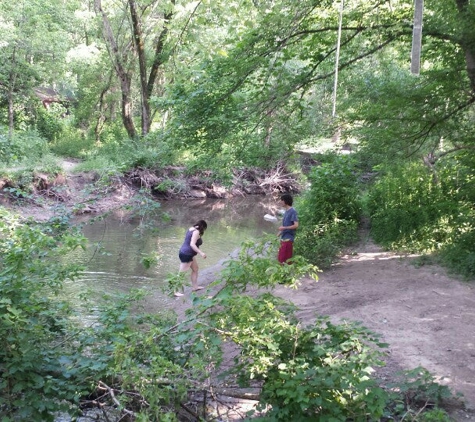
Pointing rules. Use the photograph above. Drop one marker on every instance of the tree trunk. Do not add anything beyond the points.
(102, 106)
(140, 49)
(11, 89)
(122, 74)
(11, 117)
(158, 56)
(127, 106)
(147, 86)
(417, 37)
(468, 47)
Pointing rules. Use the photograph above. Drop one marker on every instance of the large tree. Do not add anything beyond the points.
(271, 75)
(135, 39)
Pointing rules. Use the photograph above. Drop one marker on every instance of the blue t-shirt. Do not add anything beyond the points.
(290, 217)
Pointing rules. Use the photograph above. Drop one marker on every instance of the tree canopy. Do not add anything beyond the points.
(246, 76)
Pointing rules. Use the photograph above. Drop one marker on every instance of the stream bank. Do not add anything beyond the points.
(42, 196)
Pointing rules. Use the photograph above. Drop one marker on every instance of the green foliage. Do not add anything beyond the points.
(25, 147)
(133, 351)
(71, 143)
(329, 211)
(256, 264)
(324, 371)
(413, 392)
(121, 154)
(9, 151)
(50, 122)
(33, 323)
(419, 386)
(220, 168)
(459, 256)
(23, 180)
(402, 204)
(326, 241)
(149, 260)
(422, 210)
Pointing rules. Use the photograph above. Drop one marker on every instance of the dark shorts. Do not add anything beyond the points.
(185, 258)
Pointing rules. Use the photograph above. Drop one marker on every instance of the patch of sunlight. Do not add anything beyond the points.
(377, 256)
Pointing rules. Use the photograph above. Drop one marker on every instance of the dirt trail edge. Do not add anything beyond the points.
(426, 317)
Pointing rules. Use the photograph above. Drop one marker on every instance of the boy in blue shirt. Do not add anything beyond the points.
(290, 223)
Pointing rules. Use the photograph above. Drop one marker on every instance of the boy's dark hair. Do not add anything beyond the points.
(287, 198)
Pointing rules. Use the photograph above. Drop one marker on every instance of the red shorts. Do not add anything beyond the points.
(286, 251)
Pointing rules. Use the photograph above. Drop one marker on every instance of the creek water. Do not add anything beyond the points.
(117, 244)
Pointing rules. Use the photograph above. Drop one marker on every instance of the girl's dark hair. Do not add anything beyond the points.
(201, 226)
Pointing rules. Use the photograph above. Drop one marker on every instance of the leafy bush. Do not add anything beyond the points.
(9, 151)
(50, 122)
(401, 204)
(416, 396)
(422, 210)
(26, 146)
(71, 143)
(326, 240)
(35, 377)
(123, 154)
(459, 255)
(329, 211)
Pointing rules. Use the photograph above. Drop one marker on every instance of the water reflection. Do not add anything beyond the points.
(117, 245)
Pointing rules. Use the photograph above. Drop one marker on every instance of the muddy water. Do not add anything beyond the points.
(113, 258)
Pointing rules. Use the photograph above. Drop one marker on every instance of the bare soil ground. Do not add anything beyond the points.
(426, 317)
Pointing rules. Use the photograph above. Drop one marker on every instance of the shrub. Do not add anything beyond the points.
(415, 396)
(71, 143)
(26, 146)
(50, 122)
(9, 151)
(36, 378)
(419, 210)
(329, 211)
(402, 204)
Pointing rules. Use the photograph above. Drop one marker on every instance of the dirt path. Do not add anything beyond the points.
(427, 318)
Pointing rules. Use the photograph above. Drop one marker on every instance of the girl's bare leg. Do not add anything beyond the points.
(184, 266)
(194, 276)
